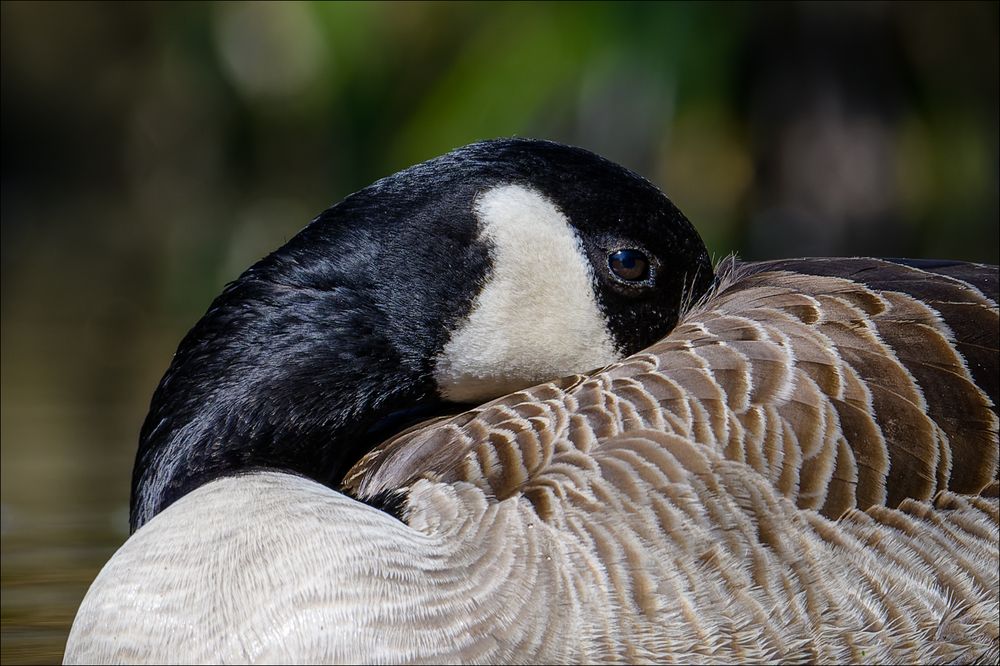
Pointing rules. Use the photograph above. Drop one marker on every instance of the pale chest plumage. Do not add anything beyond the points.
(722, 496)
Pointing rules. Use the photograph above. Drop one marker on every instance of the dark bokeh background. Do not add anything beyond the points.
(153, 151)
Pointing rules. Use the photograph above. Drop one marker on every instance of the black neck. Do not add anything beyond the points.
(314, 346)
(262, 383)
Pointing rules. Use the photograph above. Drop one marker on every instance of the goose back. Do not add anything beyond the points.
(804, 470)
(847, 383)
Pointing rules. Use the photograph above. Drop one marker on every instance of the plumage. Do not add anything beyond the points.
(752, 373)
(804, 469)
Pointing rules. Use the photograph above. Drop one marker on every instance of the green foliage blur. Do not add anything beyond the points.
(152, 151)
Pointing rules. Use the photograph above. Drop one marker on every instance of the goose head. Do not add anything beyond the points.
(494, 267)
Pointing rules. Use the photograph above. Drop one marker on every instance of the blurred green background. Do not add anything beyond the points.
(152, 151)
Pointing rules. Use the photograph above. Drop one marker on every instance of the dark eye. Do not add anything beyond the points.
(629, 265)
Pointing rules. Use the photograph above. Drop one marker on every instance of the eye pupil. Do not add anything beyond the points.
(629, 265)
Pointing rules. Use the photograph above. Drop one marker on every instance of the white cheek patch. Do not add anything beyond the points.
(537, 318)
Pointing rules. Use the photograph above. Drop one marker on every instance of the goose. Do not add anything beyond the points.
(501, 407)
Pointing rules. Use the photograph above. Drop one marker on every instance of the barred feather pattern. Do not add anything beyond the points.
(799, 465)
(804, 470)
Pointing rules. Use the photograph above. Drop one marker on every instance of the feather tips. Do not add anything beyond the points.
(838, 380)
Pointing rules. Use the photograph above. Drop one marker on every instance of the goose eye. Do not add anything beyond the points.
(629, 265)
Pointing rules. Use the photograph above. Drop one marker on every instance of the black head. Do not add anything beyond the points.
(496, 266)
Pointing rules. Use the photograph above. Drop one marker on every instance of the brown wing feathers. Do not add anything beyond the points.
(963, 295)
(942, 327)
(846, 383)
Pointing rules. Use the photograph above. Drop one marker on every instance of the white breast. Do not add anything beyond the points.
(273, 568)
